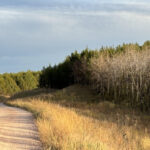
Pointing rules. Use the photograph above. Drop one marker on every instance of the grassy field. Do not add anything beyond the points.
(76, 118)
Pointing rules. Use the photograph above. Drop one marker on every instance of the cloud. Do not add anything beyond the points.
(36, 33)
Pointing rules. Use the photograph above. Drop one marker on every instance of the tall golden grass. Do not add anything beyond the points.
(68, 120)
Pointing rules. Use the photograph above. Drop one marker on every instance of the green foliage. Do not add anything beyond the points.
(146, 45)
(16, 82)
(2, 85)
(62, 75)
(30, 82)
(10, 85)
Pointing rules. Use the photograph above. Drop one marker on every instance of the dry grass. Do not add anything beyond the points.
(69, 120)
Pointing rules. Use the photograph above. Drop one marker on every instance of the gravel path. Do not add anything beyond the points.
(17, 130)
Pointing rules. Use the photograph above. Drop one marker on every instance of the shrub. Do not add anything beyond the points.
(11, 83)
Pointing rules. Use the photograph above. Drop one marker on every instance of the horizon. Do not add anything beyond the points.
(36, 33)
(70, 55)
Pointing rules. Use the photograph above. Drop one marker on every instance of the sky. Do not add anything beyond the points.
(36, 33)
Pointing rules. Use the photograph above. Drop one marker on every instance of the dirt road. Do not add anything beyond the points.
(17, 130)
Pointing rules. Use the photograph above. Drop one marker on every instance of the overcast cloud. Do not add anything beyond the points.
(35, 33)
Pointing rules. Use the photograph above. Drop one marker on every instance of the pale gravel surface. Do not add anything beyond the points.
(17, 130)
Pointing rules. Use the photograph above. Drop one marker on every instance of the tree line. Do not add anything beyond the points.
(72, 69)
(63, 74)
(11, 83)
(120, 74)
